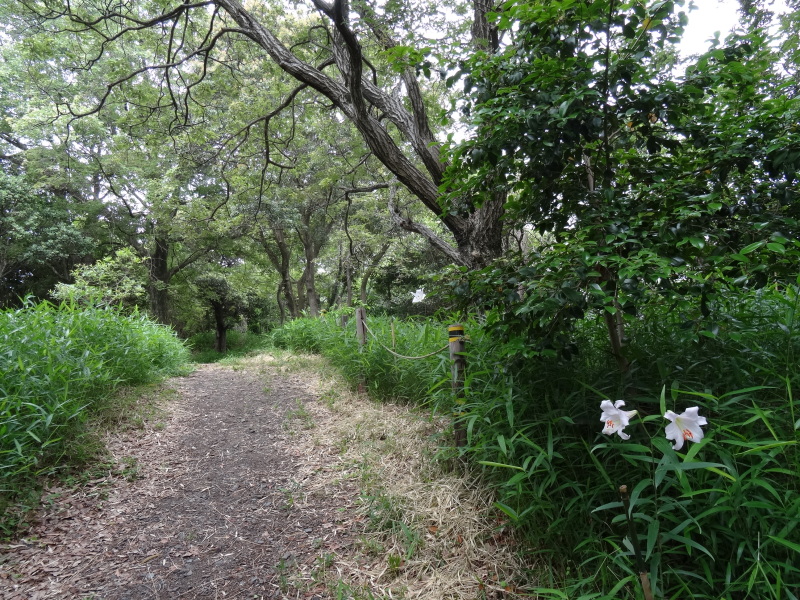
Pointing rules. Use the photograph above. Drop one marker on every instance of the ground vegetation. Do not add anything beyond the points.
(617, 224)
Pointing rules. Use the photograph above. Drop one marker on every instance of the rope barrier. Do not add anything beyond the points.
(375, 337)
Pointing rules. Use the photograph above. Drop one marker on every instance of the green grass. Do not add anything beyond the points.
(239, 345)
(385, 375)
(84, 457)
(719, 519)
(59, 365)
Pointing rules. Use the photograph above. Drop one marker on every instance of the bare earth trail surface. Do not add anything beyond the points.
(205, 512)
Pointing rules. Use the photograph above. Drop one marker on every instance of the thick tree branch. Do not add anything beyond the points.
(376, 136)
(13, 141)
(193, 257)
(484, 34)
(425, 231)
(419, 132)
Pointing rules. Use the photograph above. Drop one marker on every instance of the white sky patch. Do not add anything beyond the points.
(711, 16)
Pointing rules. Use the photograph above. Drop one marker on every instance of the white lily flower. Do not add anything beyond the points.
(419, 296)
(685, 426)
(615, 419)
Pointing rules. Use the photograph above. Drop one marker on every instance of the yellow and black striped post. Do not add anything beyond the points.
(455, 334)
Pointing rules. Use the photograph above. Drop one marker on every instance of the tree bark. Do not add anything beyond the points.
(279, 300)
(302, 300)
(349, 282)
(333, 297)
(616, 334)
(158, 283)
(221, 336)
(371, 269)
(311, 289)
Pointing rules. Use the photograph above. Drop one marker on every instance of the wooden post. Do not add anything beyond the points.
(361, 333)
(361, 329)
(455, 334)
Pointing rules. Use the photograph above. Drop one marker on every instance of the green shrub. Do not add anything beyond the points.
(55, 363)
(718, 519)
(386, 375)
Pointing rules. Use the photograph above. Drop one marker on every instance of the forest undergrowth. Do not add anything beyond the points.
(424, 525)
(716, 517)
(59, 365)
(713, 514)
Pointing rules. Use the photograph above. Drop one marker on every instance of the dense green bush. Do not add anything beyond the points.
(56, 362)
(385, 375)
(715, 519)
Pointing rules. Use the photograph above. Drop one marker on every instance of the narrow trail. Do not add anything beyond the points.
(205, 512)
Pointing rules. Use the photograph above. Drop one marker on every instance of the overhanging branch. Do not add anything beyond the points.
(437, 242)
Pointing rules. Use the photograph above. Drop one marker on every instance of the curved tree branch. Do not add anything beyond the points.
(437, 242)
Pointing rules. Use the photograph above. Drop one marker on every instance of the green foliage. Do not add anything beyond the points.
(114, 280)
(387, 377)
(631, 183)
(55, 364)
(227, 302)
(239, 344)
(718, 519)
(40, 239)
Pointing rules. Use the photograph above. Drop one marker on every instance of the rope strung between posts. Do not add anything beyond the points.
(375, 337)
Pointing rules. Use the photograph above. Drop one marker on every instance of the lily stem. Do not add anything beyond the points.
(637, 553)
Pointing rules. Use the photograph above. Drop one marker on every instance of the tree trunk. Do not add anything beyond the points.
(349, 283)
(313, 231)
(281, 257)
(311, 291)
(333, 297)
(311, 281)
(288, 294)
(302, 301)
(221, 337)
(616, 333)
(615, 324)
(158, 285)
(279, 300)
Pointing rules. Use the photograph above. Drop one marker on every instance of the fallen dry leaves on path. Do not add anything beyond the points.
(204, 514)
(267, 482)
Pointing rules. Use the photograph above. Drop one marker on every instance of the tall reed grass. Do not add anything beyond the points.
(386, 376)
(717, 520)
(56, 362)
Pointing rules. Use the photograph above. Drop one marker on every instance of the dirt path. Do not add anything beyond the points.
(206, 510)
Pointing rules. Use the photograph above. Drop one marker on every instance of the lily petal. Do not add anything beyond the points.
(615, 419)
(674, 433)
(684, 426)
